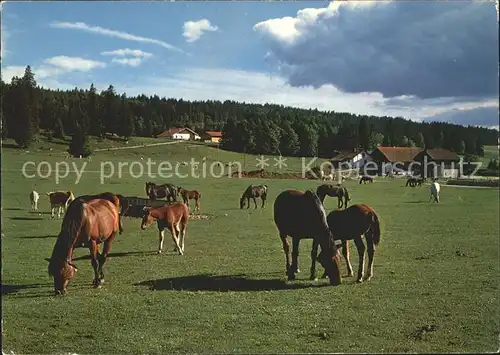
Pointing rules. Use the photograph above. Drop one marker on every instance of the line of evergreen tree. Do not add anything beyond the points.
(252, 128)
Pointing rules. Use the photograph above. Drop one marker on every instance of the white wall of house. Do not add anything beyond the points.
(450, 173)
(183, 136)
(360, 160)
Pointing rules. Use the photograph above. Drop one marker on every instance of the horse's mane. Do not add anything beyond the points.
(313, 197)
(248, 189)
(70, 228)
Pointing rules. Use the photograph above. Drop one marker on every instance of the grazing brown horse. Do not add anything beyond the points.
(413, 182)
(85, 224)
(301, 215)
(109, 196)
(334, 191)
(167, 191)
(252, 192)
(352, 224)
(190, 195)
(174, 217)
(59, 200)
(366, 178)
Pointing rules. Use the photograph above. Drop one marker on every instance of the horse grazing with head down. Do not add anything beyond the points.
(351, 224)
(334, 191)
(301, 215)
(174, 217)
(252, 192)
(85, 224)
(365, 178)
(167, 191)
(109, 196)
(434, 188)
(190, 195)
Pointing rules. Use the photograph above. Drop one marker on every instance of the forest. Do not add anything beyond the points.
(28, 109)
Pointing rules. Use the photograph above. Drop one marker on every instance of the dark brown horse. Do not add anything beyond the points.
(414, 182)
(174, 217)
(334, 191)
(167, 191)
(252, 192)
(190, 195)
(352, 224)
(301, 215)
(85, 224)
(109, 196)
(366, 178)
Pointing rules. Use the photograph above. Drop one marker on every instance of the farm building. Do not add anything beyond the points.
(212, 136)
(350, 159)
(439, 163)
(389, 159)
(180, 133)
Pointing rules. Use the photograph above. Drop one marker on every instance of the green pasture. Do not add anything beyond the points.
(435, 286)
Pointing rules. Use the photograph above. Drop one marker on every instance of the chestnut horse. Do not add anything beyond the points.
(190, 195)
(334, 191)
(351, 224)
(109, 196)
(302, 215)
(174, 217)
(85, 224)
(252, 192)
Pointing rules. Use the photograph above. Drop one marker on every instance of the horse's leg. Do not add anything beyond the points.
(94, 254)
(314, 254)
(161, 239)
(102, 257)
(295, 255)
(173, 229)
(180, 237)
(255, 202)
(361, 252)
(339, 201)
(198, 205)
(263, 201)
(345, 253)
(286, 250)
(371, 254)
(248, 203)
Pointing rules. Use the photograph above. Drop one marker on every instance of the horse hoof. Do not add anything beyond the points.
(158, 252)
(313, 278)
(359, 280)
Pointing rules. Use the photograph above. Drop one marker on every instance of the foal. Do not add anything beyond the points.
(174, 217)
(190, 195)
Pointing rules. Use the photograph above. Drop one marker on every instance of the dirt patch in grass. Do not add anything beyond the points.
(263, 174)
(200, 216)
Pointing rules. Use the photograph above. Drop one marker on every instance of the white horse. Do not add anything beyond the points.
(34, 197)
(435, 188)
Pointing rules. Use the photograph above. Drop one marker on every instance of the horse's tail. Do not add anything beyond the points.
(375, 228)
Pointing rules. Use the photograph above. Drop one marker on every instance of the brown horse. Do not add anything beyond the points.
(352, 224)
(190, 195)
(167, 191)
(302, 215)
(85, 224)
(252, 192)
(109, 196)
(174, 217)
(366, 178)
(334, 191)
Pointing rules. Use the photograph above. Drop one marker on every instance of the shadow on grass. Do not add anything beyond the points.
(10, 145)
(223, 283)
(117, 255)
(13, 289)
(39, 236)
(13, 209)
(26, 218)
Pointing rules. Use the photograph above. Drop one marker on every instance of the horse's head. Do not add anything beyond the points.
(62, 272)
(242, 202)
(147, 218)
(329, 258)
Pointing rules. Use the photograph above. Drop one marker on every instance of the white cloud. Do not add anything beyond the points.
(193, 30)
(66, 63)
(53, 67)
(135, 56)
(133, 62)
(112, 33)
(128, 51)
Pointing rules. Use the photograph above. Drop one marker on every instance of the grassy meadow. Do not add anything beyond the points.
(435, 286)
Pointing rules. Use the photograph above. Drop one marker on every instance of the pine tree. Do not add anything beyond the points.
(80, 145)
(364, 134)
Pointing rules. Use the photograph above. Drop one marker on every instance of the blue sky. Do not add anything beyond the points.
(420, 61)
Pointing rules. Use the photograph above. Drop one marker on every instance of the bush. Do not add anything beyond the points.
(474, 182)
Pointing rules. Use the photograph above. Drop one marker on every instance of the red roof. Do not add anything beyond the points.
(399, 154)
(171, 131)
(214, 133)
(442, 154)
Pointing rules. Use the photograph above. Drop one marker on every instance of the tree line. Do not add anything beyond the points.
(253, 128)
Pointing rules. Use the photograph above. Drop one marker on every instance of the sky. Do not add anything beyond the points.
(421, 60)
